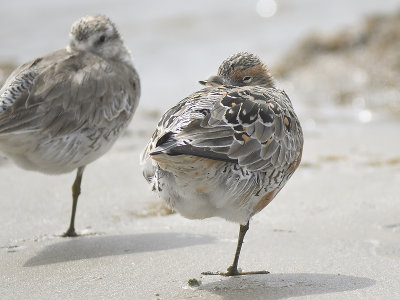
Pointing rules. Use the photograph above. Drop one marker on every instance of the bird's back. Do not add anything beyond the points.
(65, 109)
(225, 151)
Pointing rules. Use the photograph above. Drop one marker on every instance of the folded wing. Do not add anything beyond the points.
(58, 94)
(254, 127)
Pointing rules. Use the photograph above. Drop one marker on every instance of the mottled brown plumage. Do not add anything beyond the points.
(228, 149)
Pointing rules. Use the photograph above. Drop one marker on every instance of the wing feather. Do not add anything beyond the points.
(68, 92)
(254, 127)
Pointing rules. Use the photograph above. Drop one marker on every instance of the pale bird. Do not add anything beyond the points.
(62, 111)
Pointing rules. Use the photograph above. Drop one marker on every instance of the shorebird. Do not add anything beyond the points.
(64, 110)
(226, 150)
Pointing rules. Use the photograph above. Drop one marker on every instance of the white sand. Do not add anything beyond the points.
(332, 233)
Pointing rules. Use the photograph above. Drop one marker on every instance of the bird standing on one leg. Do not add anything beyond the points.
(228, 149)
(64, 110)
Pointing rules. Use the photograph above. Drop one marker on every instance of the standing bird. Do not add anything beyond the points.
(226, 150)
(64, 110)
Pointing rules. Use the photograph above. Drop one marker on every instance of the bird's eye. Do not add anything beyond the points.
(102, 39)
(247, 79)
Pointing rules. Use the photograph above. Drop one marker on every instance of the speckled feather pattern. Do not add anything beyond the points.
(224, 151)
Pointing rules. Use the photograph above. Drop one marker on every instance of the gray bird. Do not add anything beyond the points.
(62, 111)
(226, 150)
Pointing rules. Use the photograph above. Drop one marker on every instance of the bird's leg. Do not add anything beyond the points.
(76, 190)
(233, 270)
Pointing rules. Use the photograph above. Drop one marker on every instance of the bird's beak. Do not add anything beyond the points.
(203, 82)
(213, 80)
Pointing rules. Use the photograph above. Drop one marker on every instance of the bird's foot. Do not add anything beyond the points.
(70, 233)
(232, 271)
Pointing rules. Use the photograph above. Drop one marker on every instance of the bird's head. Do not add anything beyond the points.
(244, 69)
(98, 35)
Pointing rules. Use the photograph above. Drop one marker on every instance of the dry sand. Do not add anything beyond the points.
(332, 233)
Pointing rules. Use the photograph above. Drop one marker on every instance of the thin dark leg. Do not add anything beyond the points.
(76, 190)
(232, 270)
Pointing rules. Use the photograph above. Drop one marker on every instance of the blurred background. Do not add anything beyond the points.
(337, 60)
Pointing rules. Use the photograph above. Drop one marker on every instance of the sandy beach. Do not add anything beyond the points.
(332, 233)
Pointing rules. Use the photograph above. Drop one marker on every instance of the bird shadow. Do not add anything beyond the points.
(282, 286)
(99, 246)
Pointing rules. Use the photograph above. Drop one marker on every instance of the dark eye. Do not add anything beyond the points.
(102, 39)
(247, 79)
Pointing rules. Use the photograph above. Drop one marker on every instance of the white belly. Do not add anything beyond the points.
(55, 155)
(209, 188)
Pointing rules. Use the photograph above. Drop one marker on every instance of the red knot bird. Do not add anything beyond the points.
(62, 111)
(226, 150)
